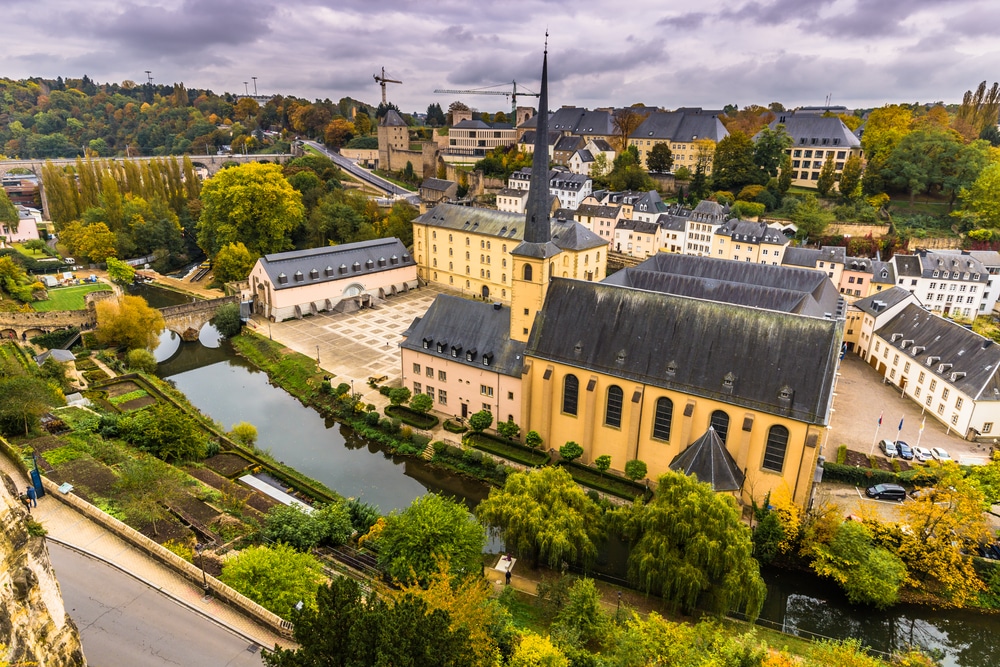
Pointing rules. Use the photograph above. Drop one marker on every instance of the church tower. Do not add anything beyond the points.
(533, 258)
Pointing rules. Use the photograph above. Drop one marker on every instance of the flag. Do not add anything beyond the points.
(900, 423)
(880, 417)
(922, 423)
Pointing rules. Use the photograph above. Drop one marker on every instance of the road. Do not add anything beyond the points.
(365, 175)
(123, 621)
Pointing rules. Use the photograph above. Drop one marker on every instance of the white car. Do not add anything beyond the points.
(922, 454)
(940, 454)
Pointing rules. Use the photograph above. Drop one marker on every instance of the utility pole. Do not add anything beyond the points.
(254, 86)
(245, 89)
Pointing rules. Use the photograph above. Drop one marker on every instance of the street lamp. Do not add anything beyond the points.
(317, 355)
(245, 89)
(254, 86)
(200, 548)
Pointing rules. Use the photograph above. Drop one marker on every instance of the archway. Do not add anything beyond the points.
(486, 292)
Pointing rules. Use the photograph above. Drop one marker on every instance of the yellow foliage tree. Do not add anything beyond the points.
(538, 651)
(790, 515)
(128, 322)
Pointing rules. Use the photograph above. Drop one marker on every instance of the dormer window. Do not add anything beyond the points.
(328, 271)
(672, 368)
(936, 274)
(369, 265)
(313, 274)
(456, 350)
(356, 267)
(470, 355)
(440, 347)
(282, 279)
(381, 261)
(785, 394)
(427, 343)
(343, 268)
(488, 359)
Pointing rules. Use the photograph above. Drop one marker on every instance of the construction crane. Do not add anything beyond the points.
(382, 80)
(512, 94)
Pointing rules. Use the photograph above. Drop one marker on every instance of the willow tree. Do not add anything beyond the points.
(689, 547)
(544, 513)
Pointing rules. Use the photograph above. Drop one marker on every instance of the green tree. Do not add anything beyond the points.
(508, 429)
(868, 574)
(252, 203)
(140, 359)
(627, 173)
(335, 523)
(583, 618)
(277, 578)
(600, 168)
(769, 149)
(827, 177)
(545, 514)
(23, 400)
(690, 547)
(399, 395)
(165, 432)
(884, 129)
(8, 214)
(533, 439)
(228, 320)
(850, 177)
(733, 164)
(981, 200)
(538, 651)
(421, 403)
(810, 218)
(144, 488)
(925, 158)
(603, 463)
(431, 528)
(128, 322)
(571, 451)
(660, 159)
(233, 262)
(635, 469)
(120, 272)
(245, 434)
(480, 421)
(289, 524)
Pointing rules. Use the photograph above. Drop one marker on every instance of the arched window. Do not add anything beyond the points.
(662, 417)
(571, 391)
(527, 275)
(613, 413)
(774, 451)
(720, 422)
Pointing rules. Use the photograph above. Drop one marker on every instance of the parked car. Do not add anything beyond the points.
(922, 454)
(905, 451)
(940, 454)
(991, 551)
(889, 448)
(886, 492)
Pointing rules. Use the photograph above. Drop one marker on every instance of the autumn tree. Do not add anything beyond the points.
(978, 110)
(128, 322)
(120, 272)
(625, 121)
(545, 514)
(749, 120)
(690, 547)
(981, 200)
(95, 241)
(850, 177)
(251, 203)
(867, 573)
(884, 129)
(338, 132)
(233, 262)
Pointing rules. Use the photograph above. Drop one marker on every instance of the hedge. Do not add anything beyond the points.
(411, 417)
(452, 427)
(470, 462)
(506, 449)
(609, 483)
(865, 477)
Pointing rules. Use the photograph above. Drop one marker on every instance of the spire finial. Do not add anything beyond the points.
(546, 41)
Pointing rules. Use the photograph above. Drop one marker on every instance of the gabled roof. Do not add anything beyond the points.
(602, 145)
(317, 265)
(638, 226)
(513, 192)
(465, 329)
(709, 209)
(752, 232)
(62, 356)
(598, 211)
(709, 460)
(882, 301)
(576, 120)
(565, 234)
(583, 155)
(962, 358)
(469, 124)
(392, 119)
(680, 126)
(528, 138)
(566, 144)
(879, 268)
(907, 266)
(689, 345)
(437, 184)
(811, 257)
(673, 221)
(804, 128)
(957, 263)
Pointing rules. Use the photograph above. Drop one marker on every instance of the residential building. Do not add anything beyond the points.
(474, 138)
(857, 280)
(686, 132)
(575, 121)
(29, 224)
(816, 138)
(637, 238)
(746, 241)
(648, 207)
(22, 189)
(602, 220)
(952, 372)
(869, 314)
(526, 143)
(673, 230)
(288, 285)
(512, 200)
(990, 259)
(945, 282)
(828, 259)
(700, 227)
(570, 188)
(565, 148)
(583, 160)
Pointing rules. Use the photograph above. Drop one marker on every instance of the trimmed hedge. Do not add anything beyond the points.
(470, 462)
(506, 449)
(411, 417)
(608, 483)
(865, 477)
(452, 427)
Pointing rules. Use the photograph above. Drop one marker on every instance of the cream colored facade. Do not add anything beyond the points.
(748, 251)
(475, 138)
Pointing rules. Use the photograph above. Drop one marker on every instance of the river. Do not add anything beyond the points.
(227, 388)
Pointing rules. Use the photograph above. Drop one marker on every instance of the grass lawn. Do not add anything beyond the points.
(35, 254)
(69, 298)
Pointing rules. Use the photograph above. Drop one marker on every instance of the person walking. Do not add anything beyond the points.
(27, 502)
(32, 496)
(507, 577)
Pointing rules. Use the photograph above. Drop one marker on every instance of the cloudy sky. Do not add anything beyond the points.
(661, 52)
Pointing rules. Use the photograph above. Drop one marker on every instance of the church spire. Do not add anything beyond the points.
(536, 228)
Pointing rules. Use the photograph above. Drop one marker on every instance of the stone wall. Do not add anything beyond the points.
(34, 624)
(853, 229)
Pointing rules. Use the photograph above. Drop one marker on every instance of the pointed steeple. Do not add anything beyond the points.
(536, 228)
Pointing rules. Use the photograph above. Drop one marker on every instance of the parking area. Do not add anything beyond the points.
(862, 397)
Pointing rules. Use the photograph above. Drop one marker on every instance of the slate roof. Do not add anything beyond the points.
(951, 262)
(528, 138)
(480, 125)
(680, 126)
(803, 128)
(907, 266)
(709, 460)
(857, 263)
(811, 257)
(467, 327)
(513, 192)
(950, 348)
(688, 345)
(569, 144)
(584, 155)
(752, 232)
(437, 184)
(603, 146)
(674, 222)
(638, 226)
(597, 211)
(709, 210)
(878, 268)
(882, 301)
(782, 288)
(316, 265)
(62, 356)
(566, 234)
(392, 119)
(576, 120)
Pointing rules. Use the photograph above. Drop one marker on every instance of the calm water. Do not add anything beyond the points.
(230, 390)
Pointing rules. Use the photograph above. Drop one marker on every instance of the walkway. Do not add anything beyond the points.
(66, 526)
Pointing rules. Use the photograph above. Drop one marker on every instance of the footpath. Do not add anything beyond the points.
(71, 528)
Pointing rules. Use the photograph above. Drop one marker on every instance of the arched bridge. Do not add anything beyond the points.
(213, 163)
(186, 319)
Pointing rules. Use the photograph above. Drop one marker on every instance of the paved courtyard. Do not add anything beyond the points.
(862, 397)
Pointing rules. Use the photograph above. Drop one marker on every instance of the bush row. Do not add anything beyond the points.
(608, 483)
(411, 417)
(506, 449)
(471, 462)
(837, 472)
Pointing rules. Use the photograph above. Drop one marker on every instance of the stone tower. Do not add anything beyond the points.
(392, 133)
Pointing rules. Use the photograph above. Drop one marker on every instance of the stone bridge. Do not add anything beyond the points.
(212, 163)
(186, 319)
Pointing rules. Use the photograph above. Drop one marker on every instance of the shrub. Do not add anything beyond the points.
(141, 360)
(372, 419)
(473, 456)
(421, 403)
(571, 451)
(399, 395)
(533, 439)
(452, 427)
(385, 424)
(455, 452)
(841, 454)
(227, 320)
(384, 390)
(635, 469)
(211, 449)
(835, 472)
(406, 433)
(440, 447)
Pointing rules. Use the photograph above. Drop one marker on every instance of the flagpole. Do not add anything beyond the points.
(899, 431)
(920, 433)
(879, 426)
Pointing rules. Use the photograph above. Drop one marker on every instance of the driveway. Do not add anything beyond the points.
(861, 397)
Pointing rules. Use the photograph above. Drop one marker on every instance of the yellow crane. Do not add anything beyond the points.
(512, 93)
(382, 80)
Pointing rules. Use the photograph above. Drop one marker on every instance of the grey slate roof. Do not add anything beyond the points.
(603, 146)
(803, 128)
(883, 272)
(709, 460)
(437, 184)
(951, 262)
(674, 222)
(907, 266)
(316, 265)
(528, 138)
(689, 345)
(62, 356)
(569, 144)
(680, 126)
(782, 288)
(709, 210)
(566, 234)
(513, 192)
(576, 120)
(857, 263)
(597, 211)
(951, 349)
(811, 257)
(584, 154)
(392, 119)
(882, 301)
(752, 232)
(467, 327)
(638, 226)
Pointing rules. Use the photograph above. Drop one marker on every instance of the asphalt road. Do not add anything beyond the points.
(125, 622)
(363, 174)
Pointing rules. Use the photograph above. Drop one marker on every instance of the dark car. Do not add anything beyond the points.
(991, 551)
(886, 492)
(905, 451)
